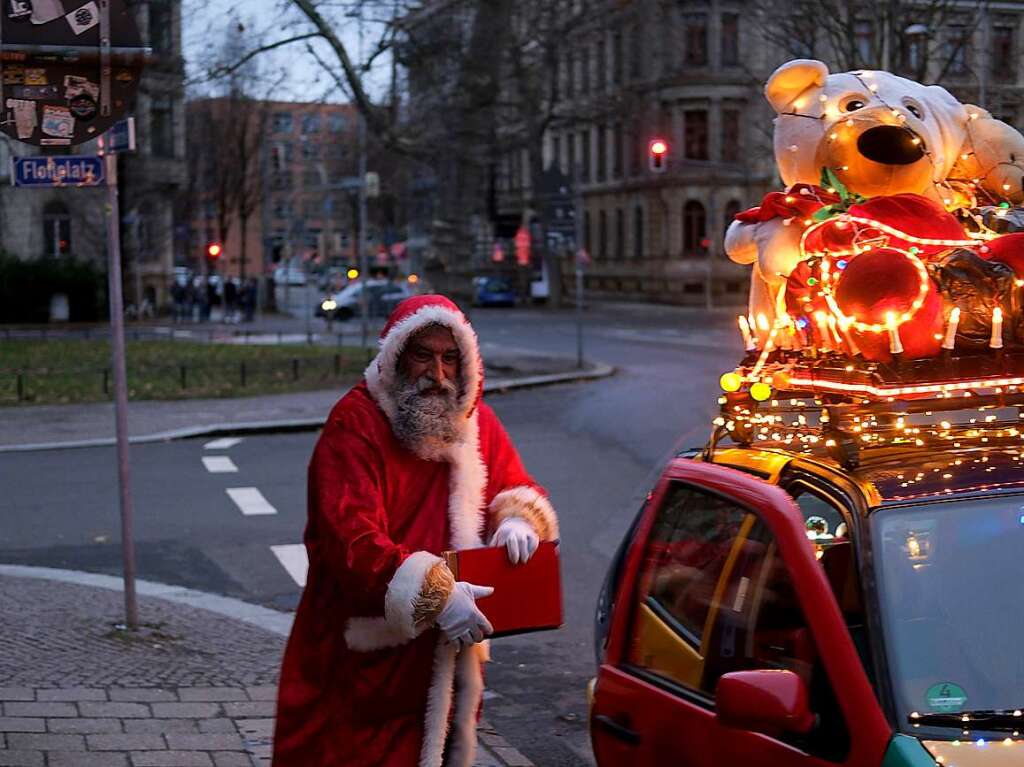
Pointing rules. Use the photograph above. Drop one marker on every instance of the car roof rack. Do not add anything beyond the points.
(843, 407)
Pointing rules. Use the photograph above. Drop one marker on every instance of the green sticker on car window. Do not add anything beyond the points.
(945, 697)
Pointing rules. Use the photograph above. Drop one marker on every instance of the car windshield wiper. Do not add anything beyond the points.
(979, 719)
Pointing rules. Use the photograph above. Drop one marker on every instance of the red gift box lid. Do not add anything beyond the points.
(527, 596)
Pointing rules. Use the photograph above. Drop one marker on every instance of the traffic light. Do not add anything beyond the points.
(213, 251)
(657, 155)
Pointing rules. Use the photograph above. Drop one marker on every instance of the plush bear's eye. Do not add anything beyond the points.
(915, 110)
(853, 105)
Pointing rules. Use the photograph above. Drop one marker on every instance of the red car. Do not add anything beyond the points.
(773, 608)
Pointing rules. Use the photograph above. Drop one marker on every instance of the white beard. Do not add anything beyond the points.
(426, 424)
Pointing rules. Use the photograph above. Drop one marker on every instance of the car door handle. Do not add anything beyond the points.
(618, 730)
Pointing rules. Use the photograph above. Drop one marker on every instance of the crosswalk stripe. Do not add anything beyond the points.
(294, 559)
(250, 501)
(222, 444)
(219, 464)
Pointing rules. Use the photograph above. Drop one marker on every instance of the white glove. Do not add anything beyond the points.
(460, 619)
(518, 537)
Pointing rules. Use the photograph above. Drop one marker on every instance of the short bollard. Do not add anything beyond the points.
(21, 387)
(295, 370)
(183, 373)
(241, 372)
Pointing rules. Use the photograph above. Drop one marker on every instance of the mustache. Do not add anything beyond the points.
(426, 382)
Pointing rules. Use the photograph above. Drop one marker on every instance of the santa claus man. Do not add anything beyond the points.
(383, 666)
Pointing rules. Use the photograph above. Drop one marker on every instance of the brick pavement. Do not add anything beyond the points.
(192, 687)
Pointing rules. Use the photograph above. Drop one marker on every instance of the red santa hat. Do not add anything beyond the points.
(409, 317)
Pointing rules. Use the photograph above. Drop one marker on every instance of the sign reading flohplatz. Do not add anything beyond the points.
(70, 170)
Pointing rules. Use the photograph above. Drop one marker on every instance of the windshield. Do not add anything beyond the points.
(950, 581)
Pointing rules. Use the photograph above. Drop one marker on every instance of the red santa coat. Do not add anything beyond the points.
(361, 683)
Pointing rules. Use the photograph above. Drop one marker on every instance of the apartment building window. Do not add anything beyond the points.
(602, 234)
(570, 150)
(585, 154)
(570, 76)
(601, 50)
(311, 123)
(281, 122)
(636, 51)
(602, 152)
(694, 230)
(618, 62)
(336, 123)
(732, 208)
(638, 232)
(161, 127)
(637, 149)
(730, 39)
(585, 69)
(695, 32)
(160, 27)
(56, 230)
(695, 134)
(282, 179)
(586, 232)
(863, 41)
(556, 74)
(1003, 58)
(617, 151)
(282, 208)
(556, 152)
(310, 151)
(957, 37)
(730, 135)
(620, 233)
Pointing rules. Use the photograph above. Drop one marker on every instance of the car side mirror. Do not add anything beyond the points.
(771, 702)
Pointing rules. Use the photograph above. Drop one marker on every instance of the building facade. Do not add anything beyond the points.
(70, 223)
(301, 160)
(692, 73)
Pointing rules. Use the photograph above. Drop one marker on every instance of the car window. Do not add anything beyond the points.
(684, 556)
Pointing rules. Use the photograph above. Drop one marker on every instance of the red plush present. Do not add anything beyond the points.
(904, 220)
(1008, 249)
(885, 281)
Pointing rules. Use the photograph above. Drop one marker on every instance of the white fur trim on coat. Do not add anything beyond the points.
(382, 372)
(404, 588)
(439, 705)
(466, 485)
(526, 503)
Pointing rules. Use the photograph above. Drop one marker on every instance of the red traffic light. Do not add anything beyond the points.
(657, 155)
(213, 250)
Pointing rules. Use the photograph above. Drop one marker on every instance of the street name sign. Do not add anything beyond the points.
(67, 170)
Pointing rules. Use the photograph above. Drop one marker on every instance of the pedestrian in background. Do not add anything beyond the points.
(230, 299)
(384, 662)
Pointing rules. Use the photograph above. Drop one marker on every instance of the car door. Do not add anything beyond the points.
(720, 577)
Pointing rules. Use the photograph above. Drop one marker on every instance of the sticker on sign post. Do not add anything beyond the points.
(945, 698)
(58, 122)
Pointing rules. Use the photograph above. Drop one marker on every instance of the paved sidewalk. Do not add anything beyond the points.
(192, 687)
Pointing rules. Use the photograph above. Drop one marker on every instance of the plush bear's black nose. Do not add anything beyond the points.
(890, 145)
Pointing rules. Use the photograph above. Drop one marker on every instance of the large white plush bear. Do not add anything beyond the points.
(879, 134)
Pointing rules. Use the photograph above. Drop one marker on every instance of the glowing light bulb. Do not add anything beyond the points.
(730, 382)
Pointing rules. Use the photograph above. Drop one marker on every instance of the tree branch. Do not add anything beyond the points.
(223, 70)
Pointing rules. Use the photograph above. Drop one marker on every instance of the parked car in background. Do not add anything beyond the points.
(289, 275)
(382, 297)
(493, 291)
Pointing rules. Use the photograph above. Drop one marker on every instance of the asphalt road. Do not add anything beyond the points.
(597, 447)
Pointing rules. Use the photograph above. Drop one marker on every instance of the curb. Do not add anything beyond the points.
(274, 621)
(599, 370)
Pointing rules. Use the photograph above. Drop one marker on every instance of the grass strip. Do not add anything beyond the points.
(65, 371)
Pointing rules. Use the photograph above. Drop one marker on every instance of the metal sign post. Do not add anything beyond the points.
(131, 606)
(581, 257)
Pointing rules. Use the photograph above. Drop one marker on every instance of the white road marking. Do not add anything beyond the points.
(222, 444)
(250, 501)
(294, 559)
(219, 464)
